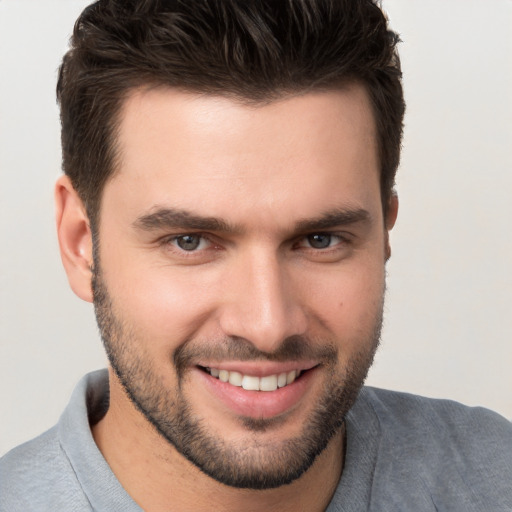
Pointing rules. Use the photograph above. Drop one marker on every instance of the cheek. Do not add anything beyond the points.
(349, 301)
(159, 304)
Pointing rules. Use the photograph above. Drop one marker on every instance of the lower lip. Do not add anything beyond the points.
(258, 404)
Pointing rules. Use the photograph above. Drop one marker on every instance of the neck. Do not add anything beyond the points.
(158, 478)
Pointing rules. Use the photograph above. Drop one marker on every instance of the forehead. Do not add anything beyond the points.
(226, 158)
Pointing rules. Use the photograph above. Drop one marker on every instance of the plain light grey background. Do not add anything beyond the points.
(448, 325)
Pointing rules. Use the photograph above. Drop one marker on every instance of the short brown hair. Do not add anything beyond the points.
(252, 50)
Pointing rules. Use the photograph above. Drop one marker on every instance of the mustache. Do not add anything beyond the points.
(233, 348)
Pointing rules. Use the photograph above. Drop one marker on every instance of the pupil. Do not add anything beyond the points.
(188, 242)
(319, 241)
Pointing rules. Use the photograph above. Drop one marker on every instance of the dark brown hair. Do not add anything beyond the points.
(251, 50)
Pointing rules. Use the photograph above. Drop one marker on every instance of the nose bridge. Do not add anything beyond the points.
(262, 305)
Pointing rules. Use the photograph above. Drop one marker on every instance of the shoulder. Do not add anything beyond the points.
(456, 454)
(436, 416)
(31, 461)
(37, 476)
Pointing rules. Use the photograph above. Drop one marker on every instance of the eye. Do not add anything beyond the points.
(190, 243)
(321, 240)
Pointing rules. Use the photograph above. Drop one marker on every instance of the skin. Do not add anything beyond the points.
(269, 172)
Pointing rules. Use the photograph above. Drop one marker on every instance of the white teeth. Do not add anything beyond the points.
(268, 383)
(235, 378)
(252, 383)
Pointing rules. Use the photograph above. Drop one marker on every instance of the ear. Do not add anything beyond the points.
(391, 215)
(75, 238)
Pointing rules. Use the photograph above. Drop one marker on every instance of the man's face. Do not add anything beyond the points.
(244, 244)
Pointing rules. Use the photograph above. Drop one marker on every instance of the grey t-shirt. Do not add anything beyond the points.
(404, 453)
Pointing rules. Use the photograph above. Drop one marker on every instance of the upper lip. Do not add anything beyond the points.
(260, 368)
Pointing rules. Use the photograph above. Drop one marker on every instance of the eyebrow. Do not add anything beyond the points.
(165, 218)
(333, 218)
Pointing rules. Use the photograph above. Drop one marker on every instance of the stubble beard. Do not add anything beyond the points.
(253, 464)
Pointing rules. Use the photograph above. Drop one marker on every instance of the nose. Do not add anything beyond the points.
(262, 302)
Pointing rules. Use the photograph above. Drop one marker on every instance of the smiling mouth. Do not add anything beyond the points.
(254, 383)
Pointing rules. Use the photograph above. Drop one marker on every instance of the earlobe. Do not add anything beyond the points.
(75, 238)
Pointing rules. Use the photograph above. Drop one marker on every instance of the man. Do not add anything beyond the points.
(227, 198)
